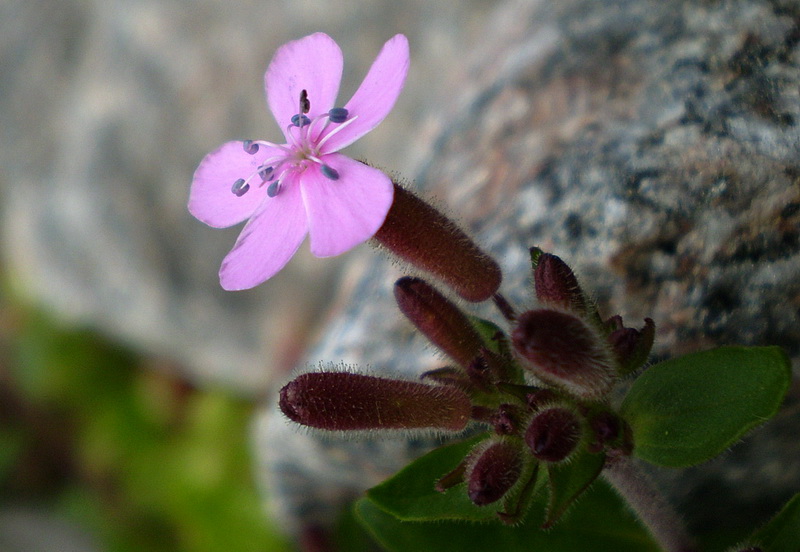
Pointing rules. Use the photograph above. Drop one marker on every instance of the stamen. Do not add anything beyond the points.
(240, 187)
(305, 103)
(250, 146)
(329, 172)
(266, 173)
(299, 120)
(334, 131)
(338, 114)
(273, 189)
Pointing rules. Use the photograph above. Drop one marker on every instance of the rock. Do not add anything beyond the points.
(654, 145)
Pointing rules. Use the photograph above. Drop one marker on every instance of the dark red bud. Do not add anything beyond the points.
(505, 419)
(632, 347)
(439, 319)
(424, 237)
(553, 434)
(563, 350)
(495, 471)
(556, 284)
(343, 401)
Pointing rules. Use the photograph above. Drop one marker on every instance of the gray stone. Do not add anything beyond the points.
(655, 146)
(25, 529)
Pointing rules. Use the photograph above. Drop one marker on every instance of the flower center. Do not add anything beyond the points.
(306, 140)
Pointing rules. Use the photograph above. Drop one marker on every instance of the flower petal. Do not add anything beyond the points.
(312, 63)
(268, 241)
(377, 94)
(345, 212)
(211, 199)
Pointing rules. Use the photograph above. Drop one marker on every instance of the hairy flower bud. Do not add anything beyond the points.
(496, 469)
(439, 319)
(553, 434)
(424, 237)
(556, 284)
(563, 350)
(609, 433)
(631, 346)
(343, 401)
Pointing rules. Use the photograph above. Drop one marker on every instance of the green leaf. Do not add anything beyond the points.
(781, 533)
(489, 331)
(599, 522)
(568, 481)
(410, 494)
(687, 410)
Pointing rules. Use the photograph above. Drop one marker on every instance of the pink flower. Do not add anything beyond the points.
(303, 186)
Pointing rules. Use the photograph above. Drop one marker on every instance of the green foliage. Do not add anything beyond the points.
(566, 482)
(406, 513)
(140, 458)
(599, 518)
(782, 533)
(689, 409)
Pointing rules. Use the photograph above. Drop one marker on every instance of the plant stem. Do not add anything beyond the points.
(649, 505)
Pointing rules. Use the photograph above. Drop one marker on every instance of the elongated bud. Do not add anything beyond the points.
(424, 237)
(342, 401)
(563, 350)
(631, 347)
(553, 434)
(496, 469)
(439, 319)
(556, 284)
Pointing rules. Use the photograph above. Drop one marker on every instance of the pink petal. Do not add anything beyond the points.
(314, 64)
(345, 212)
(268, 241)
(377, 94)
(211, 199)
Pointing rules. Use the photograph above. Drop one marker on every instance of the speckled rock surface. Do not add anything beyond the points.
(107, 107)
(653, 145)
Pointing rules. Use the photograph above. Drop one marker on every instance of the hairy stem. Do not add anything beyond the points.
(649, 505)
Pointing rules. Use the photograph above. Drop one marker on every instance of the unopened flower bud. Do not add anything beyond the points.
(563, 350)
(496, 469)
(609, 433)
(424, 237)
(556, 284)
(553, 434)
(439, 319)
(632, 347)
(343, 401)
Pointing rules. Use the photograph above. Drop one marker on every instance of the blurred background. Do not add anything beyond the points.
(127, 376)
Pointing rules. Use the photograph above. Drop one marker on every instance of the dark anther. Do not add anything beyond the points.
(273, 189)
(250, 146)
(305, 103)
(338, 115)
(330, 173)
(240, 187)
(300, 120)
(266, 173)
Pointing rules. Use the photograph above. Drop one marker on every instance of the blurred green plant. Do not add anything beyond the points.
(133, 454)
